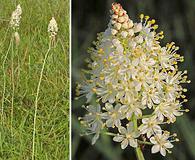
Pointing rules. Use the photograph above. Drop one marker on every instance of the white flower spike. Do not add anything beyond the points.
(53, 28)
(15, 18)
(136, 83)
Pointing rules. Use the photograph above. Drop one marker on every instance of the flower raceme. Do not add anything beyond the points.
(15, 22)
(136, 83)
(53, 29)
(15, 18)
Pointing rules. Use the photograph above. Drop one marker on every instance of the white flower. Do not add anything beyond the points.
(137, 27)
(161, 143)
(139, 39)
(150, 126)
(53, 27)
(112, 115)
(134, 108)
(127, 136)
(15, 18)
(169, 110)
(116, 42)
(94, 118)
(150, 96)
(132, 76)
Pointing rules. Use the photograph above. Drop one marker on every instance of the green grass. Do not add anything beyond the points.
(19, 77)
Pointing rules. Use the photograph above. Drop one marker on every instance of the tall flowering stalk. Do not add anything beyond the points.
(136, 84)
(14, 25)
(15, 22)
(52, 30)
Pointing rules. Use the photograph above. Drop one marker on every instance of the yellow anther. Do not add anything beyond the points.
(79, 118)
(100, 51)
(182, 59)
(185, 90)
(189, 81)
(187, 110)
(147, 17)
(162, 36)
(110, 92)
(94, 89)
(169, 151)
(110, 58)
(177, 48)
(161, 32)
(102, 78)
(155, 26)
(183, 96)
(176, 55)
(174, 134)
(141, 16)
(153, 21)
(90, 80)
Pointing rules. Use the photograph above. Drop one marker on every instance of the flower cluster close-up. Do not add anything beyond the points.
(136, 84)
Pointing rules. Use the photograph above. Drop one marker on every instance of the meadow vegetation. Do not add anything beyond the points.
(19, 77)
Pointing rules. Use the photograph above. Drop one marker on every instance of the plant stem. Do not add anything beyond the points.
(4, 81)
(138, 150)
(139, 153)
(144, 142)
(36, 101)
(13, 89)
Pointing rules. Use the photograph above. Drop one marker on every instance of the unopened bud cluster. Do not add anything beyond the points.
(133, 78)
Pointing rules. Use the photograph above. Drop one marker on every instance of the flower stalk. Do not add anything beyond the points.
(36, 101)
(53, 32)
(138, 150)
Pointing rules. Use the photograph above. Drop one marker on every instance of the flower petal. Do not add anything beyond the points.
(95, 138)
(133, 143)
(162, 151)
(168, 145)
(118, 138)
(122, 130)
(155, 148)
(124, 144)
(153, 140)
(109, 123)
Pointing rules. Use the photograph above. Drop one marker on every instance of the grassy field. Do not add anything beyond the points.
(19, 76)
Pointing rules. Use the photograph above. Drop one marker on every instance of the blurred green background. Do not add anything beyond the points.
(177, 19)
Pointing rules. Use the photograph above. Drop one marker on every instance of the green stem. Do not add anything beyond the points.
(144, 142)
(138, 150)
(36, 101)
(4, 81)
(13, 88)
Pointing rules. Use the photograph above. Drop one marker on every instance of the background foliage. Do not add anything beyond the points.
(52, 129)
(177, 19)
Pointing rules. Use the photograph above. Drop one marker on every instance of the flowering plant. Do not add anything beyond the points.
(136, 83)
